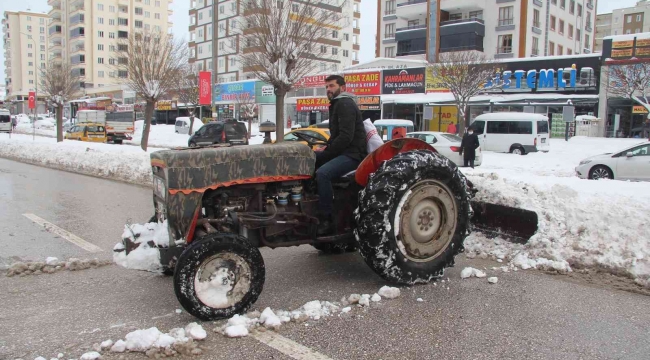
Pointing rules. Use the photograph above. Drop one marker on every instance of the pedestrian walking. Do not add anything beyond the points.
(468, 147)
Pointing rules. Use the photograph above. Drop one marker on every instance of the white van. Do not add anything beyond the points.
(5, 120)
(513, 132)
(182, 125)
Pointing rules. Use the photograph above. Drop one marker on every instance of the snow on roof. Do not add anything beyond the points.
(556, 57)
(393, 122)
(628, 37)
(511, 116)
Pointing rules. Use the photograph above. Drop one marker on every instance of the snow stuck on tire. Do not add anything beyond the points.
(579, 227)
(149, 237)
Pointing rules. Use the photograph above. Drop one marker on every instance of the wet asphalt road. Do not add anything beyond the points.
(527, 314)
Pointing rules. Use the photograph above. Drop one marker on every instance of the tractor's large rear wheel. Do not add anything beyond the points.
(218, 276)
(413, 217)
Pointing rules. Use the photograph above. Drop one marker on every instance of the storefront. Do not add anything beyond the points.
(230, 97)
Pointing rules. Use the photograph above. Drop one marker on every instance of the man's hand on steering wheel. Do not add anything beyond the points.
(310, 139)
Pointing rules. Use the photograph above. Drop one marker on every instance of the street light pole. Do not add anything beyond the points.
(29, 37)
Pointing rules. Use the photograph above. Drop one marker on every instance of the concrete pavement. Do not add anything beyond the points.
(527, 314)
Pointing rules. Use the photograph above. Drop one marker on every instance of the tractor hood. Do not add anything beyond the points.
(196, 170)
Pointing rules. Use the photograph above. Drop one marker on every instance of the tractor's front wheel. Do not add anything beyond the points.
(218, 276)
(413, 217)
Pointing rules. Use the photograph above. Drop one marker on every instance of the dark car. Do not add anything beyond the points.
(220, 132)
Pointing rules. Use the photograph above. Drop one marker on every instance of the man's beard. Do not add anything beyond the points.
(332, 95)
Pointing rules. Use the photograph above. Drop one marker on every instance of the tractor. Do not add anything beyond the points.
(406, 209)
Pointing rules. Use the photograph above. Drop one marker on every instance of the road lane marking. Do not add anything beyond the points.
(288, 347)
(64, 233)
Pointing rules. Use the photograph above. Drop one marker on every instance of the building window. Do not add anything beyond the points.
(389, 31)
(390, 7)
(346, 53)
(100, 74)
(100, 34)
(335, 68)
(476, 14)
(295, 8)
(561, 26)
(138, 11)
(100, 7)
(42, 47)
(148, 15)
(111, 8)
(100, 21)
(355, 23)
(323, 49)
(554, 2)
(413, 23)
(30, 54)
(222, 9)
(122, 74)
(579, 9)
(569, 52)
(41, 21)
(322, 67)
(638, 18)
(157, 3)
(100, 47)
(535, 50)
(456, 16)
(551, 48)
(505, 44)
(138, 24)
(335, 50)
(221, 63)
(536, 22)
(157, 16)
(335, 34)
(346, 37)
(42, 30)
(29, 46)
(578, 34)
(628, 19)
(389, 52)
(123, 22)
(560, 50)
(355, 39)
(562, 4)
(572, 7)
(553, 20)
(111, 35)
(637, 31)
(233, 61)
(570, 32)
(111, 48)
(111, 22)
(29, 28)
(100, 60)
(506, 15)
(587, 42)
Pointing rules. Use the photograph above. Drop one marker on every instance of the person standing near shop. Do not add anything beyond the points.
(468, 147)
(451, 128)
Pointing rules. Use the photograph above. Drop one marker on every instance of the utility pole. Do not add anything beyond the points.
(29, 37)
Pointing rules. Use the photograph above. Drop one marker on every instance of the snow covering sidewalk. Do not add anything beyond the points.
(600, 225)
(124, 163)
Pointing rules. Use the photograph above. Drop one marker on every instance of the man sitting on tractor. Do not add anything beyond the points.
(346, 147)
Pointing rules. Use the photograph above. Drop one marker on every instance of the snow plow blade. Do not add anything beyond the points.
(512, 224)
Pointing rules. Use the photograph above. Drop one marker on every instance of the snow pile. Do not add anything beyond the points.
(148, 238)
(152, 341)
(469, 272)
(123, 163)
(493, 280)
(162, 136)
(52, 265)
(93, 355)
(581, 224)
(242, 325)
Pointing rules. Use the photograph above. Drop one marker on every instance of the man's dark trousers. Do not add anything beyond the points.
(469, 162)
(332, 169)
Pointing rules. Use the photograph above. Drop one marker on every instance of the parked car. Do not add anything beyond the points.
(390, 129)
(182, 125)
(91, 132)
(323, 125)
(514, 132)
(632, 163)
(448, 145)
(220, 132)
(5, 121)
(316, 134)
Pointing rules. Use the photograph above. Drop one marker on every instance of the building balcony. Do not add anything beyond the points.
(411, 8)
(534, 52)
(74, 3)
(411, 32)
(56, 46)
(54, 3)
(77, 49)
(77, 10)
(411, 53)
(503, 52)
(55, 13)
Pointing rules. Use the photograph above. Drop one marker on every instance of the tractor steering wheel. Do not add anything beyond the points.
(311, 140)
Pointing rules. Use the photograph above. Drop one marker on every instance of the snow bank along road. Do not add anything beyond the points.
(525, 314)
(582, 224)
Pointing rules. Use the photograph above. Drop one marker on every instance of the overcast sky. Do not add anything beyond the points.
(181, 20)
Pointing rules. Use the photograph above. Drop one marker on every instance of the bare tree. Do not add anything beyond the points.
(465, 74)
(280, 42)
(631, 81)
(246, 107)
(60, 85)
(150, 63)
(187, 90)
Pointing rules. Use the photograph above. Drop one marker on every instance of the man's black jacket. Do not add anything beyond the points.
(347, 134)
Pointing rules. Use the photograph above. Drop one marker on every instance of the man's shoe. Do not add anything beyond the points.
(324, 225)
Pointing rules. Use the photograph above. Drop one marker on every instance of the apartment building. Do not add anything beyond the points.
(499, 28)
(85, 32)
(24, 34)
(624, 21)
(215, 42)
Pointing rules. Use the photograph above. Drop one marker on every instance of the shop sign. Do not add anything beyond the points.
(264, 93)
(547, 79)
(368, 103)
(235, 91)
(638, 109)
(313, 104)
(433, 83)
(407, 81)
(642, 42)
(621, 53)
(622, 44)
(366, 83)
(642, 51)
(311, 81)
(165, 105)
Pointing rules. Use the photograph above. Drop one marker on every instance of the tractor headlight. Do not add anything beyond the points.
(583, 162)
